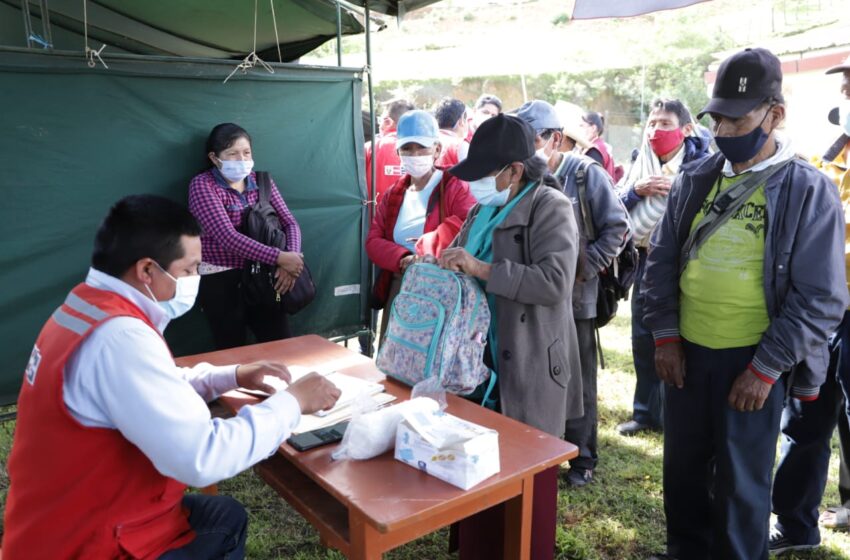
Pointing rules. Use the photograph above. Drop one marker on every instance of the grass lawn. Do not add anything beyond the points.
(619, 517)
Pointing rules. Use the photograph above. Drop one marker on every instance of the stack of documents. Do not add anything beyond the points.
(351, 388)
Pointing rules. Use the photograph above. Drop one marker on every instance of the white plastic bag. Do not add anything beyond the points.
(372, 430)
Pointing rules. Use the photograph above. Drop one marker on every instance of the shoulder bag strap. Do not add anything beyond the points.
(264, 184)
(724, 208)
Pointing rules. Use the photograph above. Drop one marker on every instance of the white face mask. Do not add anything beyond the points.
(184, 295)
(234, 170)
(844, 116)
(417, 166)
(485, 191)
(541, 153)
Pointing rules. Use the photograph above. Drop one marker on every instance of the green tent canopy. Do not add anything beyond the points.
(195, 28)
(76, 139)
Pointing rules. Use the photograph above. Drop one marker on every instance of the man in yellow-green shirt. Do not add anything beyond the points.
(753, 294)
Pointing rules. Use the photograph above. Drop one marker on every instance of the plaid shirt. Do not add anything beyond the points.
(219, 209)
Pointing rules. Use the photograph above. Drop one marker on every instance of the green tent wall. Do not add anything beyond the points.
(75, 139)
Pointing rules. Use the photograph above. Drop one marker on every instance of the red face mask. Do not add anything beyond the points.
(665, 141)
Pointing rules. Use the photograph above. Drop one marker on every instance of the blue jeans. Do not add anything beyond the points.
(649, 390)
(806, 433)
(221, 526)
(718, 461)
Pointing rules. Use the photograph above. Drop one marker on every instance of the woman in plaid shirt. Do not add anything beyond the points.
(218, 199)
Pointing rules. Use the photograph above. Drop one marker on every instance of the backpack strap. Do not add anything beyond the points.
(264, 184)
(581, 186)
(487, 401)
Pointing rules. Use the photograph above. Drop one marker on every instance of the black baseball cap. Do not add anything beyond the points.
(499, 141)
(744, 81)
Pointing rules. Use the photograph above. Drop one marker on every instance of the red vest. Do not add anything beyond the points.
(79, 492)
(387, 164)
(449, 156)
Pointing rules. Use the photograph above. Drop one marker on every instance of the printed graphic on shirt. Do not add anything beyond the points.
(739, 243)
(393, 170)
(32, 365)
(722, 301)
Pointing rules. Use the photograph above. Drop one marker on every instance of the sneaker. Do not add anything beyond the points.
(779, 544)
(577, 478)
(633, 427)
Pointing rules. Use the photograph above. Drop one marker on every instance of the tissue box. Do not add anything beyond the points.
(447, 447)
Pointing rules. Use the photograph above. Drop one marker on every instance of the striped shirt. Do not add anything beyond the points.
(219, 209)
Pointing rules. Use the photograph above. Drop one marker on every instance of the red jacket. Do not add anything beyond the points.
(380, 246)
(80, 492)
(451, 146)
(607, 158)
(387, 164)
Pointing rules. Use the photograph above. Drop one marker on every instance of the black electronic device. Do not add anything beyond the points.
(316, 438)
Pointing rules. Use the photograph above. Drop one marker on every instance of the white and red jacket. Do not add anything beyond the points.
(77, 491)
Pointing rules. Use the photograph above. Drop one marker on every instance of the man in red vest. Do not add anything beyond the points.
(387, 163)
(452, 119)
(110, 431)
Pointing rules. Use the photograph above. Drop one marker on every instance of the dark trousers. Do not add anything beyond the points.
(806, 433)
(582, 431)
(221, 526)
(649, 390)
(717, 461)
(220, 297)
(480, 537)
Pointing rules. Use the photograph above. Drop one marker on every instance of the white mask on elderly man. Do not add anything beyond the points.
(541, 153)
(235, 170)
(417, 166)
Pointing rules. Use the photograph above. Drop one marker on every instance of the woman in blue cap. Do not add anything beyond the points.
(521, 243)
(424, 200)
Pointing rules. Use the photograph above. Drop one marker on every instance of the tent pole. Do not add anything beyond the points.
(338, 34)
(372, 194)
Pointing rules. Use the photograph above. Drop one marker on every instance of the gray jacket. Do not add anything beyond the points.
(535, 250)
(804, 274)
(610, 223)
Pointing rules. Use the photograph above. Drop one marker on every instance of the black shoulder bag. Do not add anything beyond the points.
(261, 223)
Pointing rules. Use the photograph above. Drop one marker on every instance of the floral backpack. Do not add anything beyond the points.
(437, 329)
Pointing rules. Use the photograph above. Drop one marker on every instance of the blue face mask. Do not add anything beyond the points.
(184, 295)
(485, 192)
(738, 149)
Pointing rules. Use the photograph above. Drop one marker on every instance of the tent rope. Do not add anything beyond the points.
(276, 38)
(252, 59)
(90, 53)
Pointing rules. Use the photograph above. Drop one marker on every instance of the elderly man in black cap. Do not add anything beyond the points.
(807, 427)
(603, 234)
(744, 283)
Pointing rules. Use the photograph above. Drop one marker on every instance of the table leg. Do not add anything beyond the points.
(517, 536)
(365, 539)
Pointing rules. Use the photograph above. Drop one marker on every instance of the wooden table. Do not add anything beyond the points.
(365, 508)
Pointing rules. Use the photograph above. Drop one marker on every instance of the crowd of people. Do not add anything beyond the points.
(739, 332)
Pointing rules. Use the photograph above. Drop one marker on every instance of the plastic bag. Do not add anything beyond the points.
(431, 388)
(371, 431)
